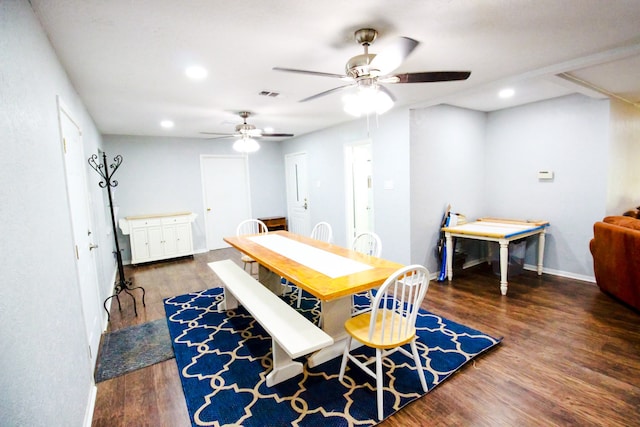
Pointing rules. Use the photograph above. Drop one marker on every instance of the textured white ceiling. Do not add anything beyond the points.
(127, 58)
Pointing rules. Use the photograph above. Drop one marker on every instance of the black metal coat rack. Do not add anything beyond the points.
(122, 284)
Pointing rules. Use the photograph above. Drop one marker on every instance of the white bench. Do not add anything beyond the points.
(292, 335)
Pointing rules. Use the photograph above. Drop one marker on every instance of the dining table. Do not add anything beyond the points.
(331, 273)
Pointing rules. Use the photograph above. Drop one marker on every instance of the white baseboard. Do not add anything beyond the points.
(473, 263)
(531, 267)
(91, 405)
(568, 275)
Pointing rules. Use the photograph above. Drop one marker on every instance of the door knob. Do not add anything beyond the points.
(92, 246)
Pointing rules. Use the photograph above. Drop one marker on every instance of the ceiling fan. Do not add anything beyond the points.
(245, 130)
(368, 70)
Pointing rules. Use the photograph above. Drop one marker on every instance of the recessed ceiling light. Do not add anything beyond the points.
(167, 124)
(506, 93)
(196, 72)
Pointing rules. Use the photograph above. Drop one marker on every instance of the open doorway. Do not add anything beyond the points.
(359, 188)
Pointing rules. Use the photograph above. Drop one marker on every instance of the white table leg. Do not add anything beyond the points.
(270, 280)
(334, 314)
(449, 250)
(504, 265)
(283, 366)
(541, 239)
(229, 302)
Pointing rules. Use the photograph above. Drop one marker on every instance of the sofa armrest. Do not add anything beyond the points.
(616, 261)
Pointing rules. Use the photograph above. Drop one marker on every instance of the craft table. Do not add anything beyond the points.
(329, 272)
(498, 230)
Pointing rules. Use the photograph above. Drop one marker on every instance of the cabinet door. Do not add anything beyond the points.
(156, 247)
(169, 240)
(183, 239)
(139, 245)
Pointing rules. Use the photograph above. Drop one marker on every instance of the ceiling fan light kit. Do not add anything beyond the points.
(367, 100)
(367, 70)
(246, 145)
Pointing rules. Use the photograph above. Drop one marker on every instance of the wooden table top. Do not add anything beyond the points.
(316, 283)
(496, 227)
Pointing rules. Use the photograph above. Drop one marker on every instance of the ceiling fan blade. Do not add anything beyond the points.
(277, 135)
(313, 73)
(387, 91)
(218, 133)
(327, 92)
(220, 137)
(393, 55)
(427, 77)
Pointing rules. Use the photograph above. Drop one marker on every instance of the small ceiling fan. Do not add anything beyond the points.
(369, 69)
(245, 130)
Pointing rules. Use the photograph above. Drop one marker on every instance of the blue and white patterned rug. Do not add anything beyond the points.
(223, 359)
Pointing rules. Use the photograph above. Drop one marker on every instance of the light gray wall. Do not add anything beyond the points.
(484, 165)
(46, 373)
(390, 151)
(162, 175)
(447, 167)
(570, 136)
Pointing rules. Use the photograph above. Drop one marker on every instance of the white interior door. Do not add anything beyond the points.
(227, 201)
(298, 209)
(76, 167)
(359, 185)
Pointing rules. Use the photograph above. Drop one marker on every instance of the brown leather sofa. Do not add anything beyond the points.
(616, 258)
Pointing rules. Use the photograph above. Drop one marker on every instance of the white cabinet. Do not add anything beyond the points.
(159, 236)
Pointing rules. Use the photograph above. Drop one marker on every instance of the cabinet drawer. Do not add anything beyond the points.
(176, 220)
(145, 222)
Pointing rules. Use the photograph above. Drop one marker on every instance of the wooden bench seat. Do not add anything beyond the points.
(292, 334)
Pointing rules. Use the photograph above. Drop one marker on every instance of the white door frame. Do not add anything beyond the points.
(350, 160)
(241, 194)
(79, 207)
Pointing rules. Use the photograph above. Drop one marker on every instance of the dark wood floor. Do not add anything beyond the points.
(570, 355)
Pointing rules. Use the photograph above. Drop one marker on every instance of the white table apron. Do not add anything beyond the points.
(504, 248)
(334, 312)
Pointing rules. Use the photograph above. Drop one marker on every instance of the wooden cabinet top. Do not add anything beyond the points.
(128, 222)
(160, 215)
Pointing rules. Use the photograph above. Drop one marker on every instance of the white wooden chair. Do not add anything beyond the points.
(250, 226)
(389, 325)
(321, 231)
(367, 243)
